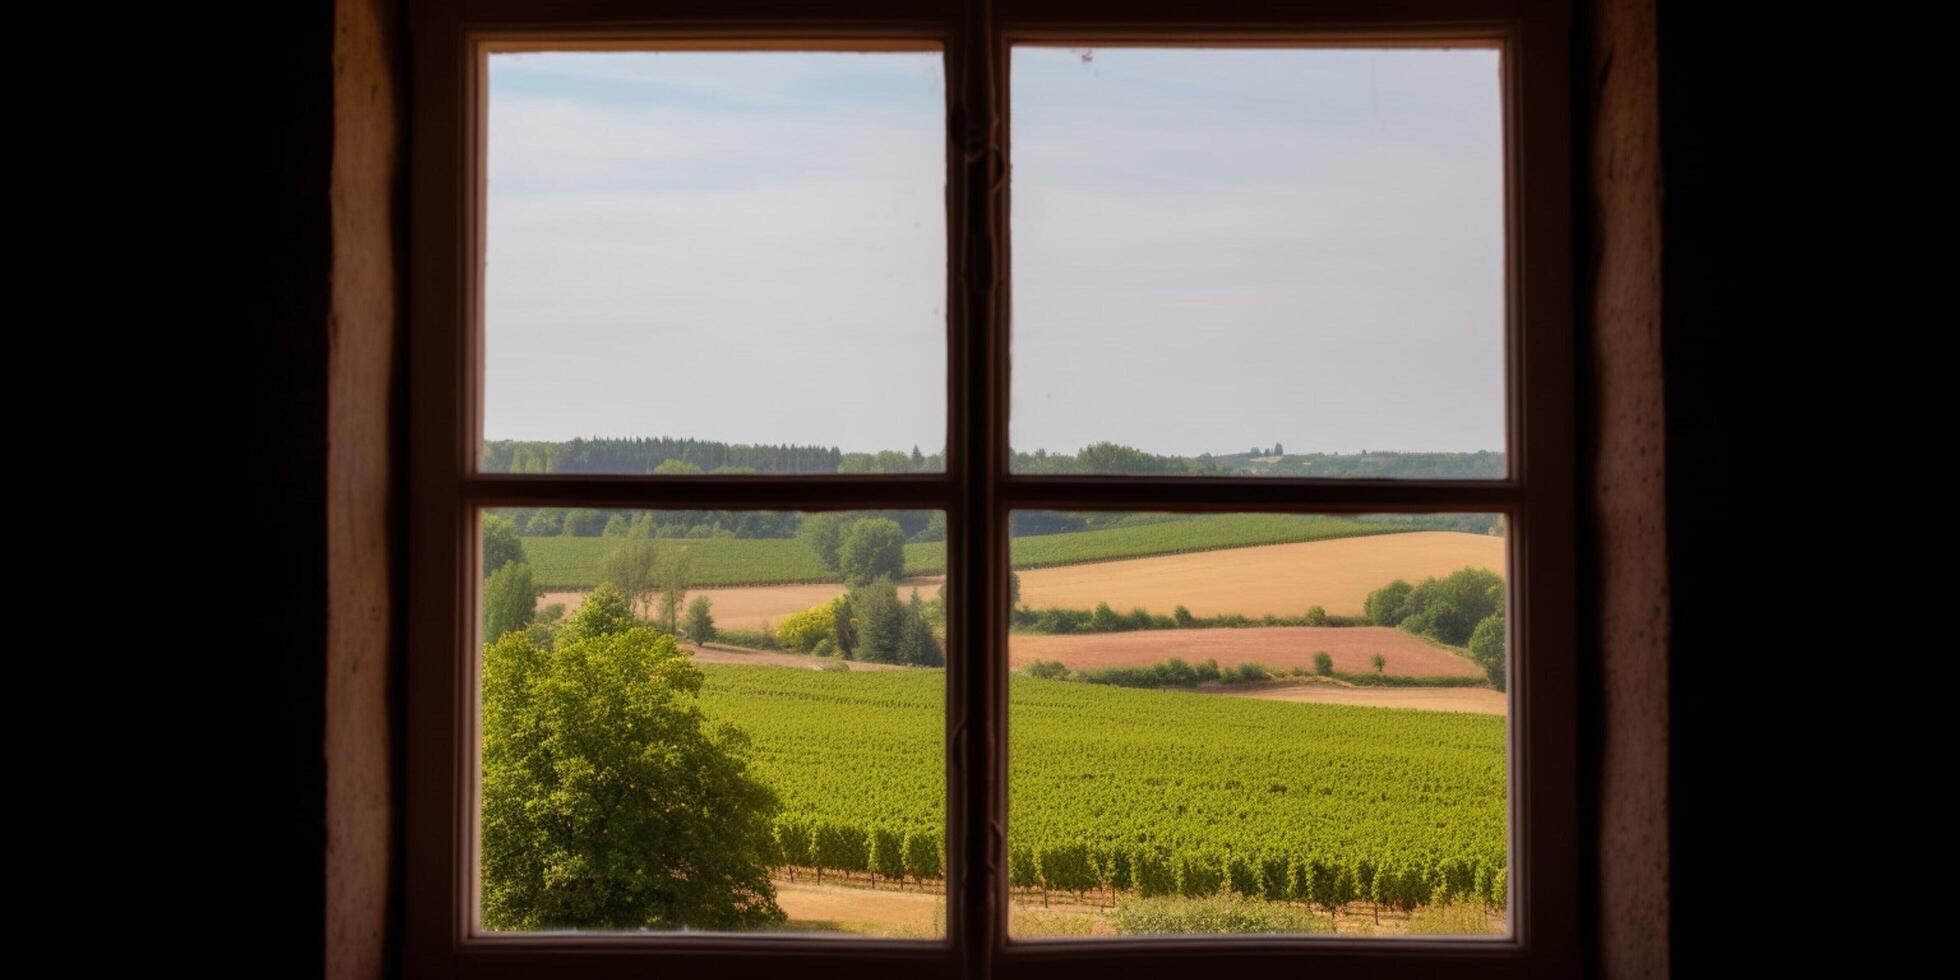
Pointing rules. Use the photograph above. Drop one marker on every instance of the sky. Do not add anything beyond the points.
(1211, 249)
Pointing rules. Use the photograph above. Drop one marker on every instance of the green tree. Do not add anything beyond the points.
(1316, 616)
(500, 544)
(880, 621)
(616, 526)
(581, 522)
(634, 569)
(608, 801)
(700, 620)
(1013, 589)
(544, 522)
(1323, 664)
(1487, 647)
(510, 600)
(1384, 606)
(676, 467)
(843, 627)
(675, 572)
(872, 549)
(604, 613)
(824, 535)
(1375, 660)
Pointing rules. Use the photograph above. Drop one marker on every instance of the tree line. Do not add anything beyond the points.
(1462, 609)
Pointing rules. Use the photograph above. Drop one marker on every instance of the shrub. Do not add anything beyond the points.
(1048, 670)
(700, 620)
(1323, 664)
(1316, 616)
(1104, 619)
(1376, 661)
(803, 631)
(1182, 617)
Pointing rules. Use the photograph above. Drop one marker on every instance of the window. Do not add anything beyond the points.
(506, 369)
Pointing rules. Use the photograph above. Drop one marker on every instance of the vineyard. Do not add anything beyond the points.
(1131, 791)
(574, 562)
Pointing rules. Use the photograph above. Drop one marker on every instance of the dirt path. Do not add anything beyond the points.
(834, 908)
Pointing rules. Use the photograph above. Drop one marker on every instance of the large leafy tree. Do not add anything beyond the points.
(634, 569)
(823, 534)
(510, 600)
(608, 802)
(872, 549)
(500, 544)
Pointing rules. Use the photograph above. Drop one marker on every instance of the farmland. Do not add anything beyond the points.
(572, 563)
(1280, 648)
(1148, 791)
(1282, 579)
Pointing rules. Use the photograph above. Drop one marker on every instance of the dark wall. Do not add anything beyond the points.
(283, 86)
(1720, 752)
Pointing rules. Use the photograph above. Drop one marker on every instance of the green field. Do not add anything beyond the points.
(573, 563)
(1149, 790)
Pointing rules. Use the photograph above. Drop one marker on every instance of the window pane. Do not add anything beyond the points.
(1258, 262)
(713, 720)
(1257, 723)
(715, 261)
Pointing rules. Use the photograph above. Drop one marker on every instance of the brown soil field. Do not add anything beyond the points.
(1282, 579)
(1477, 700)
(1278, 647)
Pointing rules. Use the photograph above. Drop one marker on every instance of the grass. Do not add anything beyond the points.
(573, 563)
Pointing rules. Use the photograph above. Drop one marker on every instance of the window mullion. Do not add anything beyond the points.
(977, 557)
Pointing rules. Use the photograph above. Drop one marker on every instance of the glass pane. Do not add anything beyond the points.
(713, 720)
(715, 261)
(1258, 262)
(1257, 723)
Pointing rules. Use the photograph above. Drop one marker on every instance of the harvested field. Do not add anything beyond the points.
(1277, 647)
(1282, 579)
(1478, 700)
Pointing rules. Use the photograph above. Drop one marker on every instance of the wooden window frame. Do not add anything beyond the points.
(977, 491)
